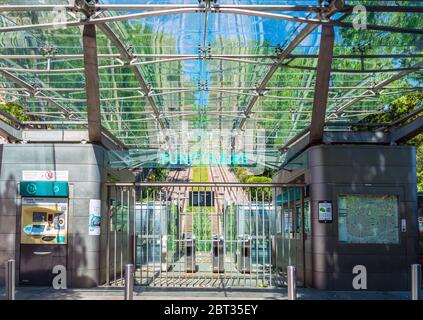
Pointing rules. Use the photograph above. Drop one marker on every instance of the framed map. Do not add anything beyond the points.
(369, 219)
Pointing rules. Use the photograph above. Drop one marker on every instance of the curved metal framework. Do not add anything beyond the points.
(161, 70)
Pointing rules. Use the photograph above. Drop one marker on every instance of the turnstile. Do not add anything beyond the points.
(244, 256)
(190, 264)
(218, 254)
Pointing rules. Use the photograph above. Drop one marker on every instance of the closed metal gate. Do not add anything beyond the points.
(197, 234)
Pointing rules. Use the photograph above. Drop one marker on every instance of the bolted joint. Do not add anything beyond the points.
(87, 7)
(375, 92)
(157, 117)
(130, 50)
(49, 51)
(35, 92)
(337, 5)
(203, 85)
(148, 87)
(278, 50)
(328, 9)
(204, 53)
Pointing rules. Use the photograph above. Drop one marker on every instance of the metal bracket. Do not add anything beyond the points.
(87, 7)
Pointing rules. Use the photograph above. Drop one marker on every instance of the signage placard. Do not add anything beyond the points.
(44, 189)
(325, 211)
(94, 218)
(45, 175)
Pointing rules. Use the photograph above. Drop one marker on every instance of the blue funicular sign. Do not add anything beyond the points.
(44, 189)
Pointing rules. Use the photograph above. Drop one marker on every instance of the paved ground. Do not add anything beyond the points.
(142, 293)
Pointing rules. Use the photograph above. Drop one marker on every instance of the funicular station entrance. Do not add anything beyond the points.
(96, 96)
(206, 234)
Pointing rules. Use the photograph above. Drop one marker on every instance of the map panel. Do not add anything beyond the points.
(368, 219)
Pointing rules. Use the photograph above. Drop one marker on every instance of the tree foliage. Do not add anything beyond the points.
(396, 110)
(259, 193)
(13, 109)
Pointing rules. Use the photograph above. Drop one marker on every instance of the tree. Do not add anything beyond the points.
(396, 110)
(259, 193)
(13, 109)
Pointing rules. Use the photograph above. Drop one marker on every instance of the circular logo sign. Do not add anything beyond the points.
(49, 175)
(31, 188)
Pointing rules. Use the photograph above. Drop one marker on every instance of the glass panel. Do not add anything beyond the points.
(278, 221)
(307, 217)
(368, 219)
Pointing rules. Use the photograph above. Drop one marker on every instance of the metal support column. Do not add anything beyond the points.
(321, 92)
(10, 279)
(129, 282)
(92, 83)
(416, 281)
(292, 283)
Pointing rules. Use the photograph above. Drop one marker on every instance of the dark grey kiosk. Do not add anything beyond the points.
(359, 218)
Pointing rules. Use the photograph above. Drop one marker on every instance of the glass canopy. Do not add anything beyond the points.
(170, 71)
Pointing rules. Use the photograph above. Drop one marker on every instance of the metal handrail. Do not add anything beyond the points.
(203, 184)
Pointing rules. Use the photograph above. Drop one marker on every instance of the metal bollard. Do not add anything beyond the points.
(10, 279)
(416, 281)
(292, 285)
(129, 282)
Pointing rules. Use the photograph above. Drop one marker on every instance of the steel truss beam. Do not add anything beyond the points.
(228, 92)
(408, 116)
(237, 60)
(407, 131)
(377, 87)
(209, 56)
(8, 131)
(395, 134)
(11, 118)
(261, 87)
(303, 135)
(321, 92)
(148, 7)
(317, 21)
(104, 67)
(132, 63)
(256, 13)
(216, 89)
(139, 55)
(34, 91)
(127, 57)
(349, 71)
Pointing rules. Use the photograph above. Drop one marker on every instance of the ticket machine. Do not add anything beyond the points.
(43, 238)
